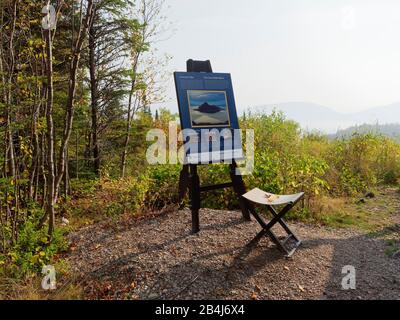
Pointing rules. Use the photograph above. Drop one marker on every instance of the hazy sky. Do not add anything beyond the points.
(344, 54)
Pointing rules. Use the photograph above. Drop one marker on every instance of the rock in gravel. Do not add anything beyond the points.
(64, 221)
(152, 296)
(370, 195)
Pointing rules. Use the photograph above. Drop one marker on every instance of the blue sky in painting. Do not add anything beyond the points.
(197, 98)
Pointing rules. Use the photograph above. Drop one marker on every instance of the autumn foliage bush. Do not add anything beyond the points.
(288, 159)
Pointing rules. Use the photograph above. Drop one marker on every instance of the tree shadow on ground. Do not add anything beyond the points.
(377, 275)
(124, 268)
(257, 269)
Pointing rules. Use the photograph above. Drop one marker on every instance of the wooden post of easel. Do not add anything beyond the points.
(189, 178)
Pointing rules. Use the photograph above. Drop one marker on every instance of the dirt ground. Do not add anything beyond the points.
(158, 258)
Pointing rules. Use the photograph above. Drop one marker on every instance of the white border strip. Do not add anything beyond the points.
(214, 157)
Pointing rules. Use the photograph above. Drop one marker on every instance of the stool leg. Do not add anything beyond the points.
(283, 223)
(268, 226)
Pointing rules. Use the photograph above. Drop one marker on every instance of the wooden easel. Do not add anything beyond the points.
(190, 180)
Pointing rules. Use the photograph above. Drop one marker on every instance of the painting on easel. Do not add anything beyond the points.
(208, 109)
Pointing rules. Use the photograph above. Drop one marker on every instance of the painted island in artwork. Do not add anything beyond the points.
(208, 108)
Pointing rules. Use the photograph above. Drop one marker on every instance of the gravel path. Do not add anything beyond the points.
(158, 258)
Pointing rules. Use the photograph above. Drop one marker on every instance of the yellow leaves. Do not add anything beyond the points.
(34, 259)
(39, 55)
(13, 256)
(38, 256)
(25, 148)
(10, 198)
(44, 240)
(20, 78)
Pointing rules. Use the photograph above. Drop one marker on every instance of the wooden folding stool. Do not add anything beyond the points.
(271, 201)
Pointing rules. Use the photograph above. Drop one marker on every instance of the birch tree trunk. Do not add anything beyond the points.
(94, 99)
(50, 134)
(70, 108)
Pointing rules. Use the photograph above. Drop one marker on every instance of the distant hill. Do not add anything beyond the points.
(389, 130)
(207, 108)
(312, 116)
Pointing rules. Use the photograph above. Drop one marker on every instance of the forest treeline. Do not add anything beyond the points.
(391, 130)
(64, 90)
(77, 78)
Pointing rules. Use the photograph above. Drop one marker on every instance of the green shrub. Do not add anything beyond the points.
(350, 182)
(32, 250)
(360, 162)
(286, 161)
(83, 187)
(162, 185)
(124, 195)
(390, 177)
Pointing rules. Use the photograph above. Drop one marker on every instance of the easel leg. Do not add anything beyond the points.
(240, 189)
(183, 184)
(194, 191)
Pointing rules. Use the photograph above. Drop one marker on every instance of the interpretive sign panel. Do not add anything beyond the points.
(208, 117)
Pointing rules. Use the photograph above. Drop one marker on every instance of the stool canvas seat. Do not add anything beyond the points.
(265, 198)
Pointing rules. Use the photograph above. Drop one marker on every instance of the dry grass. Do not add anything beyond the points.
(30, 288)
(12, 289)
(370, 215)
